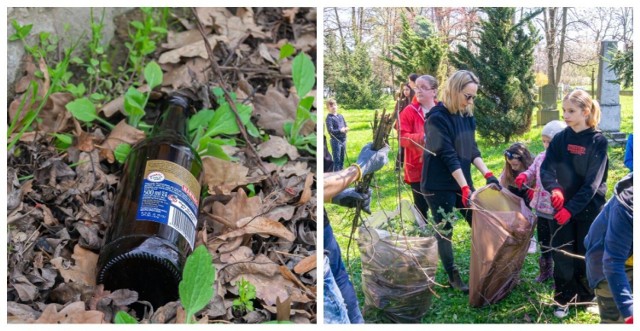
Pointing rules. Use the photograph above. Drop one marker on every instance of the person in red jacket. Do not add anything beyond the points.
(411, 127)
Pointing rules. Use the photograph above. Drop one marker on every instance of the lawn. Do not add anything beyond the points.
(529, 302)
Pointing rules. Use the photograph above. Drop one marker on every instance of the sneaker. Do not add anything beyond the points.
(561, 311)
(593, 310)
(532, 247)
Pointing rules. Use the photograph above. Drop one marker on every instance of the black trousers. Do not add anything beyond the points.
(419, 200)
(544, 236)
(570, 273)
(447, 200)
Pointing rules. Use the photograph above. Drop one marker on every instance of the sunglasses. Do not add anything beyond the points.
(512, 156)
(469, 96)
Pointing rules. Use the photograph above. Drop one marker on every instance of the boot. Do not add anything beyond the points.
(456, 282)
(546, 269)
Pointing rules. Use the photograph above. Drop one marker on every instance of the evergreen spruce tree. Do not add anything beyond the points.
(356, 85)
(504, 65)
(420, 52)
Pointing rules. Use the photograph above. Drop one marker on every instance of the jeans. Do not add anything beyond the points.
(335, 311)
(338, 151)
(341, 276)
(447, 200)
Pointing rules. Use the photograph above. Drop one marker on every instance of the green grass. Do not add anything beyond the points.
(529, 302)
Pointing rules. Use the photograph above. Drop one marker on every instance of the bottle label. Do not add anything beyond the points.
(170, 196)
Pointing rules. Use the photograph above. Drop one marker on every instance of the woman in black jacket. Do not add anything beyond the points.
(450, 150)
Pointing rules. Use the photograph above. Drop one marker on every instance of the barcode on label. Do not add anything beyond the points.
(179, 221)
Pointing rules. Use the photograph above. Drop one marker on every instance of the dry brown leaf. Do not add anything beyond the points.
(305, 42)
(277, 147)
(179, 39)
(193, 49)
(305, 265)
(184, 75)
(223, 175)
(73, 313)
(54, 115)
(306, 193)
(241, 254)
(290, 14)
(264, 52)
(48, 216)
(297, 169)
(239, 207)
(284, 212)
(122, 133)
(117, 104)
(273, 110)
(270, 288)
(85, 142)
(262, 226)
(84, 269)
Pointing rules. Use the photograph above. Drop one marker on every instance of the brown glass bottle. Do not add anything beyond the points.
(154, 218)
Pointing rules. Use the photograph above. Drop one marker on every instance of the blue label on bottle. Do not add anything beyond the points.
(169, 196)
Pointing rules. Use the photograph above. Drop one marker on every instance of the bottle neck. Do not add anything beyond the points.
(173, 119)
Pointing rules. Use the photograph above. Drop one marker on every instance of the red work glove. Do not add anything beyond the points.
(530, 194)
(466, 191)
(562, 217)
(520, 180)
(557, 198)
(628, 320)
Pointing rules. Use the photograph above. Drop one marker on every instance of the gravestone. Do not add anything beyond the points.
(549, 110)
(608, 95)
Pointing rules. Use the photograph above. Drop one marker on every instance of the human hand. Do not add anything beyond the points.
(491, 179)
(520, 180)
(530, 194)
(466, 191)
(562, 217)
(557, 198)
(349, 198)
(371, 161)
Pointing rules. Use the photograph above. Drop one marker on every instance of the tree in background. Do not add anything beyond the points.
(505, 101)
(355, 84)
(622, 65)
(421, 52)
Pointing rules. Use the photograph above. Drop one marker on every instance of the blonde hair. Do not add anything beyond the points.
(583, 100)
(452, 89)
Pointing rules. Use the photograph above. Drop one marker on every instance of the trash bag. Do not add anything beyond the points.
(398, 272)
(502, 228)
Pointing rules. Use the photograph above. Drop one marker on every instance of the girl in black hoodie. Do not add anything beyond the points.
(451, 148)
(575, 172)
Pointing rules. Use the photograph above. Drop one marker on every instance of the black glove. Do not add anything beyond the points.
(491, 179)
(349, 198)
(370, 160)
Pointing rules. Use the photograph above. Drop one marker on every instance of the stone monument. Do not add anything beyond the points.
(608, 95)
(549, 111)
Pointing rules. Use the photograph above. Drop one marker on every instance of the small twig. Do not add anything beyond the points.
(216, 70)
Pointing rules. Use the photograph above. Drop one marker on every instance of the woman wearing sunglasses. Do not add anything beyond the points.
(450, 150)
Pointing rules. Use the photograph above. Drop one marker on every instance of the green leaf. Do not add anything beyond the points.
(196, 287)
(121, 152)
(200, 119)
(134, 102)
(279, 160)
(97, 96)
(286, 50)
(153, 74)
(304, 74)
(222, 122)
(82, 109)
(212, 147)
(123, 317)
(63, 140)
(137, 24)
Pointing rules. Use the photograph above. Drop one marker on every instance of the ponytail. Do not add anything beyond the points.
(594, 117)
(584, 101)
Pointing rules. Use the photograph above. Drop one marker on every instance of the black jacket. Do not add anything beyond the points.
(578, 164)
(452, 138)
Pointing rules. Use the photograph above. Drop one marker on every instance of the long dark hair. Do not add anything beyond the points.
(405, 101)
(520, 152)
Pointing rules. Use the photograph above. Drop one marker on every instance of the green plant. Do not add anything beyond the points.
(195, 288)
(246, 293)
(144, 35)
(135, 101)
(303, 72)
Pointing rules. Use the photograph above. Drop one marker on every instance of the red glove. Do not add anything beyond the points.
(530, 194)
(628, 320)
(562, 217)
(466, 191)
(557, 198)
(520, 180)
